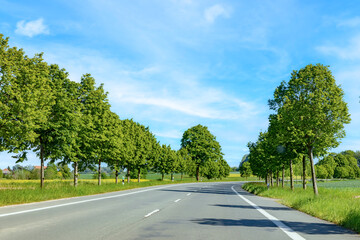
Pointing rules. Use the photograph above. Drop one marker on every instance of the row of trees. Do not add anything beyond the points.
(309, 119)
(339, 165)
(42, 110)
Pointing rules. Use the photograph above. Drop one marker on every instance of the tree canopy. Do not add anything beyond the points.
(201, 146)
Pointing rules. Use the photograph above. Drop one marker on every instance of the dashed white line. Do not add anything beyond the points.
(177, 200)
(149, 214)
(289, 231)
(188, 194)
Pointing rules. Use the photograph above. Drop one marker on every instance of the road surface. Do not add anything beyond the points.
(182, 211)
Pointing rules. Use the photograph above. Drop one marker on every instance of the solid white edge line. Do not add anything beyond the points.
(83, 201)
(177, 200)
(149, 214)
(286, 229)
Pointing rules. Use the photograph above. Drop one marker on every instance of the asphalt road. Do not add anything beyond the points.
(183, 211)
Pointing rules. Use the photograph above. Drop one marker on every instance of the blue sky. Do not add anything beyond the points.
(173, 64)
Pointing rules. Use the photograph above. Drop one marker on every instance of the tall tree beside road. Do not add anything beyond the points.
(25, 98)
(166, 162)
(62, 137)
(183, 161)
(313, 104)
(201, 146)
(245, 170)
(115, 139)
(27, 103)
(97, 119)
(146, 149)
(128, 149)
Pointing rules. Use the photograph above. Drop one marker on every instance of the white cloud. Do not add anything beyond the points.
(351, 51)
(214, 12)
(31, 28)
(169, 134)
(352, 22)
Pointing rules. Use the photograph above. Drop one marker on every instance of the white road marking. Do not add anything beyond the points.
(149, 214)
(177, 200)
(188, 194)
(290, 232)
(83, 201)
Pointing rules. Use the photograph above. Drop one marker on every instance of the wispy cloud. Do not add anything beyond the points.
(351, 51)
(169, 134)
(31, 28)
(351, 22)
(215, 11)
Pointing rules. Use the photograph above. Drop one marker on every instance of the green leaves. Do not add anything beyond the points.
(310, 117)
(25, 97)
(201, 146)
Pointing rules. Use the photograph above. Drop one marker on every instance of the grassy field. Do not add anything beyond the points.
(26, 191)
(338, 201)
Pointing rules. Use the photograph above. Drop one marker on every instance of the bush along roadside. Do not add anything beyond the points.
(340, 206)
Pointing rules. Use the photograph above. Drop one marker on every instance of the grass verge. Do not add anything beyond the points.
(337, 205)
(27, 191)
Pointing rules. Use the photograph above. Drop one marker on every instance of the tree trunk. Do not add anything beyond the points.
(271, 178)
(283, 176)
(291, 176)
(42, 174)
(266, 179)
(313, 175)
(139, 172)
(277, 178)
(75, 174)
(116, 176)
(162, 176)
(128, 175)
(197, 173)
(99, 173)
(172, 176)
(182, 176)
(304, 172)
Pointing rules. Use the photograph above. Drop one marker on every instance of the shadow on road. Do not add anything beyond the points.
(214, 189)
(251, 207)
(302, 227)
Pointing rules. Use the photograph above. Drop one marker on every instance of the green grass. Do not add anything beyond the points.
(26, 191)
(337, 202)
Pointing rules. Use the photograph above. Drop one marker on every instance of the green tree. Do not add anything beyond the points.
(25, 101)
(201, 146)
(166, 162)
(211, 170)
(183, 161)
(98, 121)
(65, 127)
(245, 170)
(115, 145)
(312, 106)
(326, 166)
(146, 149)
(51, 171)
(64, 170)
(128, 149)
(224, 168)
(321, 171)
